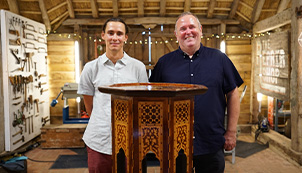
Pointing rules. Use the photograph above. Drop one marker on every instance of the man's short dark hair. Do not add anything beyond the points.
(115, 19)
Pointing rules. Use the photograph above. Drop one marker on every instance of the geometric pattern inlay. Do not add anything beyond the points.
(150, 113)
(121, 134)
(182, 111)
(181, 137)
(150, 139)
(121, 107)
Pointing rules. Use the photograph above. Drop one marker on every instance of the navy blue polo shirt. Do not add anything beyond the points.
(209, 67)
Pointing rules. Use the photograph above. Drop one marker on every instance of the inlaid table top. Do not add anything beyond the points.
(153, 89)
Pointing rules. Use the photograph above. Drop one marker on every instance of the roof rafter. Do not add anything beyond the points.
(70, 9)
(140, 8)
(13, 6)
(211, 8)
(257, 10)
(115, 8)
(233, 9)
(94, 8)
(162, 10)
(44, 15)
(282, 5)
(187, 5)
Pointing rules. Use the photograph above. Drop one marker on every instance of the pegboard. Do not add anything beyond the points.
(25, 79)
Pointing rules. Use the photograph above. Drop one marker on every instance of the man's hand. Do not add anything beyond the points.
(230, 140)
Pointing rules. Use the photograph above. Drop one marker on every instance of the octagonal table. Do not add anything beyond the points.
(152, 117)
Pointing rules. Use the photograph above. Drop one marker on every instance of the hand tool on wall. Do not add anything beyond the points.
(41, 50)
(32, 123)
(43, 90)
(40, 84)
(16, 98)
(18, 59)
(14, 32)
(19, 132)
(14, 42)
(30, 36)
(30, 27)
(36, 72)
(29, 56)
(21, 139)
(15, 104)
(41, 40)
(41, 75)
(36, 101)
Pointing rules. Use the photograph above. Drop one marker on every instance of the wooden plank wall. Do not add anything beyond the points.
(239, 51)
(61, 70)
(61, 63)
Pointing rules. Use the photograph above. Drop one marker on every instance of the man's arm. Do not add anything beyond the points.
(88, 101)
(233, 111)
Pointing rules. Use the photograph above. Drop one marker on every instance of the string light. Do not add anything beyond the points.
(172, 40)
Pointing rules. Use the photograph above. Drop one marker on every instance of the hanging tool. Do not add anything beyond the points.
(41, 75)
(29, 56)
(30, 27)
(17, 58)
(43, 90)
(36, 101)
(35, 72)
(15, 42)
(19, 132)
(40, 84)
(14, 32)
(21, 139)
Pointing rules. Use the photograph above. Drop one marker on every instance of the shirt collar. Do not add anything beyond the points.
(124, 60)
(197, 53)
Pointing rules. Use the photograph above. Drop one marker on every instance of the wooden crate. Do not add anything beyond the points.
(62, 136)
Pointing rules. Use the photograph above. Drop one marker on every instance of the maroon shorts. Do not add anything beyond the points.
(98, 162)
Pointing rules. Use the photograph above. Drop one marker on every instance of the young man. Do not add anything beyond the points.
(115, 66)
(195, 64)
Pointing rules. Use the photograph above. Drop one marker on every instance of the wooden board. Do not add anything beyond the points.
(272, 65)
(63, 136)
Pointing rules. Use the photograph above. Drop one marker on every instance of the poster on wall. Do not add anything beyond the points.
(272, 65)
(25, 79)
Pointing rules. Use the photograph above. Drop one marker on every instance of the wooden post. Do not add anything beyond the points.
(254, 108)
(296, 77)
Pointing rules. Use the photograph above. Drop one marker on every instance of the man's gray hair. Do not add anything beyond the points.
(185, 14)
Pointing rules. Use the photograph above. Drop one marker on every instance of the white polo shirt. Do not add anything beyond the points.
(102, 71)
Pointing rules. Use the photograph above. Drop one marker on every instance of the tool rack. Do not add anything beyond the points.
(25, 79)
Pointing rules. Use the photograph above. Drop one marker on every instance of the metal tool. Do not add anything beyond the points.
(36, 101)
(18, 60)
(43, 90)
(14, 32)
(19, 132)
(22, 139)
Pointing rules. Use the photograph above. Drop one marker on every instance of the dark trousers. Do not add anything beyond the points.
(209, 163)
(98, 162)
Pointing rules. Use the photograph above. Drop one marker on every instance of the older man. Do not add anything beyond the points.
(195, 64)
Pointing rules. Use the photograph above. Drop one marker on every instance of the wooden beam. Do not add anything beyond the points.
(44, 15)
(60, 23)
(70, 9)
(273, 22)
(243, 16)
(211, 8)
(13, 6)
(59, 17)
(296, 81)
(140, 8)
(94, 8)
(233, 9)
(115, 8)
(56, 7)
(162, 10)
(246, 5)
(257, 10)
(168, 44)
(282, 5)
(187, 5)
(148, 20)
